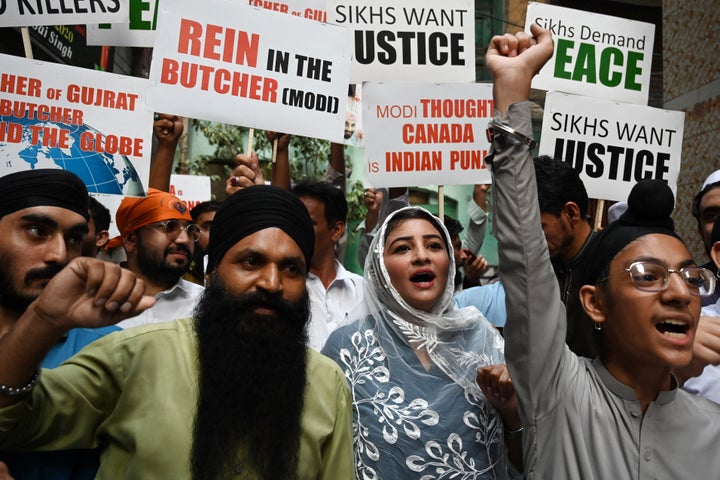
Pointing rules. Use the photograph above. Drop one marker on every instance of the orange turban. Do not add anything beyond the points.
(135, 213)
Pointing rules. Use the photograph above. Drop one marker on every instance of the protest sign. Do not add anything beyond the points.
(192, 189)
(616, 145)
(23, 13)
(140, 31)
(91, 123)
(409, 40)
(423, 134)
(224, 61)
(310, 9)
(595, 55)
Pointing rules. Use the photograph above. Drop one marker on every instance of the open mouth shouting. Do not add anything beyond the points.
(423, 278)
(676, 329)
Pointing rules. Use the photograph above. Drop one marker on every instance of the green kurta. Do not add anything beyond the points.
(135, 393)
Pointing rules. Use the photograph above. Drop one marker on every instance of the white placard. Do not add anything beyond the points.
(614, 146)
(192, 189)
(140, 31)
(423, 134)
(93, 123)
(595, 55)
(26, 13)
(224, 61)
(409, 40)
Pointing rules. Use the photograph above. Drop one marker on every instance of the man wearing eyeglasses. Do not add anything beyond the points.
(621, 415)
(202, 214)
(159, 235)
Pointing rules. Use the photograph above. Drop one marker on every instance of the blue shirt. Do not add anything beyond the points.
(489, 299)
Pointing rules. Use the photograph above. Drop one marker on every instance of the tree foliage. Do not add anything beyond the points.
(308, 158)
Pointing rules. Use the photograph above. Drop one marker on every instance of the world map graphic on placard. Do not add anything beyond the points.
(101, 172)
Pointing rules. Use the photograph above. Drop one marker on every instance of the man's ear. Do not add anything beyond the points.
(715, 253)
(130, 241)
(101, 238)
(572, 210)
(337, 231)
(593, 302)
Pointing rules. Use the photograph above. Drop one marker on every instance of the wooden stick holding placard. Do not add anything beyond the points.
(274, 152)
(441, 203)
(599, 213)
(25, 32)
(251, 138)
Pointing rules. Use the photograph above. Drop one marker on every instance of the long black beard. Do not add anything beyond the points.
(251, 385)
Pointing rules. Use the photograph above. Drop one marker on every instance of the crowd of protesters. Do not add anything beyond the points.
(230, 341)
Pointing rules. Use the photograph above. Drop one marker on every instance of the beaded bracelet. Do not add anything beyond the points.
(17, 391)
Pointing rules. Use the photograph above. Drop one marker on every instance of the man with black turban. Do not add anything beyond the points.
(231, 393)
(43, 223)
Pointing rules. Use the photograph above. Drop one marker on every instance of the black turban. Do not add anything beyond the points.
(47, 187)
(256, 208)
(650, 204)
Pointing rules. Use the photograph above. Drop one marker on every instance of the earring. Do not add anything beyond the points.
(598, 326)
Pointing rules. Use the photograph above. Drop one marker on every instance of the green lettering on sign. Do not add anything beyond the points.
(633, 70)
(137, 7)
(610, 56)
(585, 66)
(562, 58)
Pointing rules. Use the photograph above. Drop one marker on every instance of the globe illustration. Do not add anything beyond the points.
(101, 172)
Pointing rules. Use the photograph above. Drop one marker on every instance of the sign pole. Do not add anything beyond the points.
(26, 42)
(441, 203)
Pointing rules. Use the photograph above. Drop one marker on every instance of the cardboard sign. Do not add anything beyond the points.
(421, 134)
(22, 13)
(92, 123)
(221, 60)
(595, 55)
(408, 40)
(616, 145)
(140, 32)
(192, 189)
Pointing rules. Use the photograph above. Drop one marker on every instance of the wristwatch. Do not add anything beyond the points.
(499, 134)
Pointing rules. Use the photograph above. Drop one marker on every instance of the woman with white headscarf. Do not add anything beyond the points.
(412, 360)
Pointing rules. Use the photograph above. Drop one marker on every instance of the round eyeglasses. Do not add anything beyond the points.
(652, 277)
(173, 227)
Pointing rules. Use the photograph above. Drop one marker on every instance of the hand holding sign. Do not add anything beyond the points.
(246, 174)
(167, 128)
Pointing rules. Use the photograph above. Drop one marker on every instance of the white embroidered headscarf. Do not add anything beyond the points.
(457, 340)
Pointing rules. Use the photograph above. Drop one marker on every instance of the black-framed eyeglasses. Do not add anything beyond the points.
(173, 227)
(652, 277)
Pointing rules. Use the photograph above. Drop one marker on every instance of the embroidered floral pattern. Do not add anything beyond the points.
(396, 416)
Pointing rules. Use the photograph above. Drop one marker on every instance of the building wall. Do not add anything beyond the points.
(691, 64)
